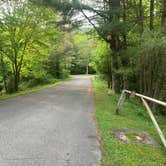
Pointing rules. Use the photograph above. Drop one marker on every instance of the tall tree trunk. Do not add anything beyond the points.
(150, 67)
(58, 68)
(16, 71)
(124, 21)
(114, 7)
(16, 81)
(141, 17)
(3, 72)
(163, 17)
(125, 60)
(115, 76)
(151, 25)
(141, 26)
(109, 79)
(16, 75)
(150, 76)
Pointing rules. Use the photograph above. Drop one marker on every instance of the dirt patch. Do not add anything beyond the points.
(134, 136)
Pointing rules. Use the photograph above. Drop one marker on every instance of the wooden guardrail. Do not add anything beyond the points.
(144, 98)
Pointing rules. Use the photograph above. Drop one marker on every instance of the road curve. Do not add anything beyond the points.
(51, 127)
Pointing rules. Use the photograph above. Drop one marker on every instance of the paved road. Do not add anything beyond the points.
(51, 127)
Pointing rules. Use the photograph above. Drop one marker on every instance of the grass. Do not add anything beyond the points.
(33, 89)
(133, 116)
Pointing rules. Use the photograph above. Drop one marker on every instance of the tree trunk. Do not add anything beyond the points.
(124, 21)
(125, 60)
(16, 74)
(3, 70)
(115, 76)
(141, 15)
(151, 26)
(141, 74)
(109, 82)
(16, 81)
(109, 71)
(150, 76)
(5, 83)
(87, 69)
(163, 18)
(114, 6)
(57, 69)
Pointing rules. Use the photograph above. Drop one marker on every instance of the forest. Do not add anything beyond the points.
(123, 41)
(31, 49)
(65, 64)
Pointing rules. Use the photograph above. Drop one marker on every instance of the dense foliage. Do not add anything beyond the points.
(134, 32)
(35, 49)
(40, 42)
(26, 36)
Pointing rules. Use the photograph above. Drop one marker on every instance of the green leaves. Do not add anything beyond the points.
(26, 31)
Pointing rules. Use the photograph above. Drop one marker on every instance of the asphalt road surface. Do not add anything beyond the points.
(51, 127)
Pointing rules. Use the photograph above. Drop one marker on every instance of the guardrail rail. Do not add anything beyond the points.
(144, 100)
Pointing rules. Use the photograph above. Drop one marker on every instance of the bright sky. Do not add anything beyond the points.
(89, 14)
(5, 5)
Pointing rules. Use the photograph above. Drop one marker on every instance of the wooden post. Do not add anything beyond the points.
(154, 122)
(120, 102)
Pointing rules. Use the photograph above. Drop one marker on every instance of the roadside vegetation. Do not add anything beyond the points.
(133, 116)
(43, 42)
(32, 89)
(36, 51)
(132, 41)
(122, 40)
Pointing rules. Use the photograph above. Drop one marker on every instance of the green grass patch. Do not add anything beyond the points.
(134, 117)
(33, 89)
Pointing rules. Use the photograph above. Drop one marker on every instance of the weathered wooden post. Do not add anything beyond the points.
(120, 102)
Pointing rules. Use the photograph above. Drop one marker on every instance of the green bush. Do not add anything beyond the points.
(41, 81)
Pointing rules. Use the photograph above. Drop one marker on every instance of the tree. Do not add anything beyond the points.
(141, 16)
(109, 29)
(151, 14)
(60, 58)
(102, 62)
(86, 47)
(24, 29)
(130, 33)
(163, 17)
